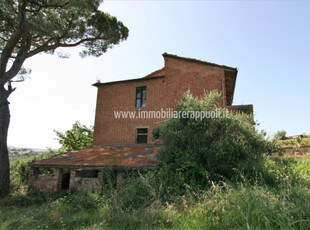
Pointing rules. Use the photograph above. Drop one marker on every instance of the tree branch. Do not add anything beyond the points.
(4, 39)
(11, 44)
(5, 93)
(10, 89)
(19, 60)
(45, 6)
(57, 45)
(7, 52)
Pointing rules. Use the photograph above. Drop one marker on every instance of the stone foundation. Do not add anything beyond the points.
(79, 179)
(50, 183)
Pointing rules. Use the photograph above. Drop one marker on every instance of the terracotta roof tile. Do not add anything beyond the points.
(101, 156)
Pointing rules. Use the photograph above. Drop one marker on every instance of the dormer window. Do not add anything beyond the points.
(141, 97)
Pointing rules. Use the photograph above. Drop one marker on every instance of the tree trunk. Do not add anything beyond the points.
(4, 153)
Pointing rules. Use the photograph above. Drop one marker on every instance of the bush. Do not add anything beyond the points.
(71, 202)
(19, 168)
(196, 149)
(78, 137)
(151, 201)
(135, 193)
(280, 134)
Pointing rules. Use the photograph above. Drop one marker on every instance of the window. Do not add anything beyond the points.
(87, 173)
(142, 136)
(141, 97)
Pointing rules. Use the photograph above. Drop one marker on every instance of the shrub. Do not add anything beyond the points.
(79, 137)
(136, 192)
(280, 134)
(196, 149)
(19, 168)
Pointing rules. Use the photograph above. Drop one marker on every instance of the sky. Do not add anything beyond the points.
(268, 41)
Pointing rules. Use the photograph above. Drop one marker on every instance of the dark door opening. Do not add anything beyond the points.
(65, 180)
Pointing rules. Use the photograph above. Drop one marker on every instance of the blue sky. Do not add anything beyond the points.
(267, 40)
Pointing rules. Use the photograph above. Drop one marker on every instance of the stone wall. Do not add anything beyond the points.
(50, 183)
(45, 183)
(84, 184)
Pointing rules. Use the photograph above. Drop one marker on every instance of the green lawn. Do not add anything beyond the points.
(278, 199)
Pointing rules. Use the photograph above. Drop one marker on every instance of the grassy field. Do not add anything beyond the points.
(304, 142)
(279, 198)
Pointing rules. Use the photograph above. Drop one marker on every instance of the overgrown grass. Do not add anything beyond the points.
(278, 197)
(305, 141)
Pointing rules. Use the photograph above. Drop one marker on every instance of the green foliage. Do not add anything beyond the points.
(31, 27)
(245, 207)
(71, 202)
(78, 137)
(198, 148)
(135, 193)
(140, 203)
(155, 133)
(109, 181)
(280, 134)
(20, 169)
(301, 141)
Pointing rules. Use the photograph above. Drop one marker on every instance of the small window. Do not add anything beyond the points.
(142, 136)
(141, 97)
(87, 173)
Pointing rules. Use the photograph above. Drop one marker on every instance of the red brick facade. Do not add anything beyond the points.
(115, 140)
(164, 90)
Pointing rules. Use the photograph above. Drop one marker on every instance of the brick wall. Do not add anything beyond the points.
(45, 183)
(184, 75)
(121, 97)
(180, 75)
(248, 109)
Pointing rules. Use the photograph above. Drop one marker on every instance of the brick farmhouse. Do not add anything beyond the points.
(126, 143)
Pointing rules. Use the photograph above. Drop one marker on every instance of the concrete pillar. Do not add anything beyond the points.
(72, 179)
(33, 175)
(100, 177)
(58, 175)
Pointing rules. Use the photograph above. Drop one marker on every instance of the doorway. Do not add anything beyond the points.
(65, 183)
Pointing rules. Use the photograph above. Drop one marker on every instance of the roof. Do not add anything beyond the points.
(129, 156)
(248, 109)
(128, 80)
(201, 62)
(156, 73)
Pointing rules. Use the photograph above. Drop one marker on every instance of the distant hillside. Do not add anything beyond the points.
(15, 152)
(34, 149)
